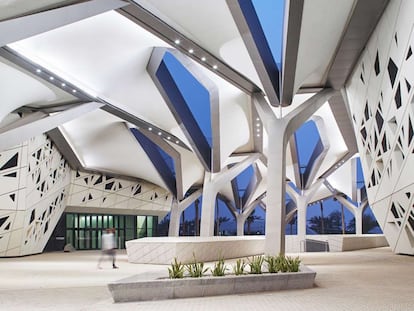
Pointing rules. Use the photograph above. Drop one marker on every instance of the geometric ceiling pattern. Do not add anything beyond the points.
(195, 103)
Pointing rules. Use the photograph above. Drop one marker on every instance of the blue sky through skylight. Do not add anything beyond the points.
(307, 136)
(195, 94)
(270, 14)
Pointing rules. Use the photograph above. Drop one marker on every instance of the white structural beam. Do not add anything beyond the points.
(319, 154)
(212, 185)
(302, 206)
(247, 210)
(27, 26)
(177, 209)
(31, 126)
(356, 211)
(276, 180)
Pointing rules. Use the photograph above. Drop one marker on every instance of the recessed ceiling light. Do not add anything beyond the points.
(258, 130)
(168, 137)
(51, 78)
(215, 67)
(257, 124)
(177, 141)
(177, 41)
(203, 59)
(257, 119)
(63, 84)
(73, 91)
(150, 129)
(191, 51)
(38, 70)
(159, 133)
(258, 135)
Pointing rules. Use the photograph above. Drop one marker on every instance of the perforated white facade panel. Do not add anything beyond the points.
(380, 94)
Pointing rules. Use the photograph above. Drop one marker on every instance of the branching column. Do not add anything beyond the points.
(279, 131)
(176, 211)
(213, 183)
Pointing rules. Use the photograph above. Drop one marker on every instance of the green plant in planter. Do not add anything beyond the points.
(256, 264)
(273, 263)
(292, 263)
(282, 264)
(239, 267)
(176, 271)
(196, 269)
(219, 268)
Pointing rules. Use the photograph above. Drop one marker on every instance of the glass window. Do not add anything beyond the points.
(84, 231)
(94, 221)
(99, 239)
(129, 234)
(93, 239)
(82, 221)
(141, 221)
(69, 237)
(69, 220)
(150, 223)
(81, 239)
(129, 222)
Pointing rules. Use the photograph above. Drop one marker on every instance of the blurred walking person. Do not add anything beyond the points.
(108, 247)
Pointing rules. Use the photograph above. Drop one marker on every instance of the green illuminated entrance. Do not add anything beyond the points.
(84, 231)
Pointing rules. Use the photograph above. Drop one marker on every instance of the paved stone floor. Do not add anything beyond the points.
(372, 279)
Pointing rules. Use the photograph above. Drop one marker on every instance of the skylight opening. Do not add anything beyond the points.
(307, 137)
(271, 16)
(196, 96)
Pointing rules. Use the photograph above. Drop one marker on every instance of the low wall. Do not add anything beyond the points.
(132, 289)
(355, 242)
(337, 242)
(162, 250)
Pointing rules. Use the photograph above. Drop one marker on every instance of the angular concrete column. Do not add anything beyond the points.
(177, 209)
(356, 211)
(302, 200)
(210, 190)
(276, 188)
(302, 207)
(240, 219)
(174, 227)
(212, 185)
(358, 220)
(276, 185)
(359, 212)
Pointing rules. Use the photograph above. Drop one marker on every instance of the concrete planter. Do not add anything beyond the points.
(132, 289)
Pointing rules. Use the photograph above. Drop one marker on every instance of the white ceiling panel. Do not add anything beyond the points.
(11, 8)
(323, 24)
(104, 143)
(20, 88)
(105, 55)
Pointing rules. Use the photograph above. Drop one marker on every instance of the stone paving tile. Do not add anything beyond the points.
(362, 280)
